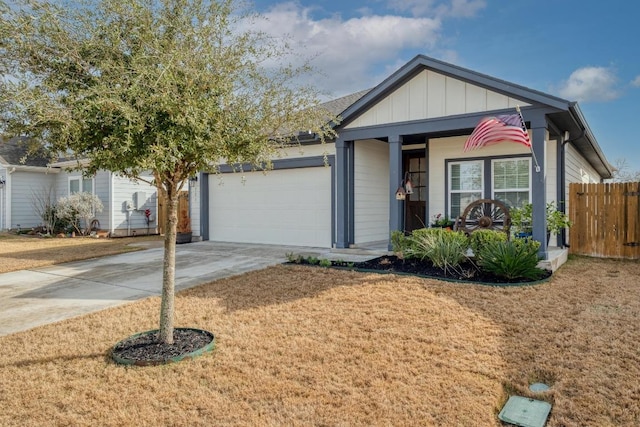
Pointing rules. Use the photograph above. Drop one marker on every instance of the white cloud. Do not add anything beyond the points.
(348, 51)
(590, 84)
(636, 82)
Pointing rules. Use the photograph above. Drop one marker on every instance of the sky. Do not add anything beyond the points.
(579, 50)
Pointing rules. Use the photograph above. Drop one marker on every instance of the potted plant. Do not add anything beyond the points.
(183, 234)
(522, 225)
(440, 221)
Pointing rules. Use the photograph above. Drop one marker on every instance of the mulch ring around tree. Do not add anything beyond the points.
(465, 272)
(145, 349)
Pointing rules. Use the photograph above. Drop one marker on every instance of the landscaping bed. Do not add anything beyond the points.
(466, 272)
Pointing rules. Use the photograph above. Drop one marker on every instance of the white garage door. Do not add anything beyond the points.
(287, 206)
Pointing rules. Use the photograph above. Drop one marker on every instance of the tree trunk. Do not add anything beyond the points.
(169, 268)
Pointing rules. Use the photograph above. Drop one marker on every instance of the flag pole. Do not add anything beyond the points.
(524, 128)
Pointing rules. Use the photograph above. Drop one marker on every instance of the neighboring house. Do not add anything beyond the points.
(417, 120)
(25, 179)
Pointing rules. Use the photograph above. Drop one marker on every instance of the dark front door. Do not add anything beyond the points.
(415, 208)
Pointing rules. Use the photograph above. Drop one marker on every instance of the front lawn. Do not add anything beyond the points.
(20, 252)
(310, 346)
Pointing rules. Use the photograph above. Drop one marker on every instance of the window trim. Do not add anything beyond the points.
(80, 178)
(487, 178)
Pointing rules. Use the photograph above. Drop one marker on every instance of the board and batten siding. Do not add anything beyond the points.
(371, 191)
(430, 94)
(24, 187)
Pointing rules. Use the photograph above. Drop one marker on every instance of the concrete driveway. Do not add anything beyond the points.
(31, 298)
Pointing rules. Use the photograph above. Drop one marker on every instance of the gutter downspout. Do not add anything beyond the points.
(562, 199)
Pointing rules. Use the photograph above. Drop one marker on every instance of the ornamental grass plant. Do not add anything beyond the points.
(514, 259)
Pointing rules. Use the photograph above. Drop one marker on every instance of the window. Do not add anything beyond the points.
(509, 182)
(76, 182)
(512, 181)
(465, 185)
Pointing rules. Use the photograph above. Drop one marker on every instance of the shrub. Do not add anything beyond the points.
(400, 243)
(325, 263)
(481, 238)
(515, 259)
(444, 248)
(79, 208)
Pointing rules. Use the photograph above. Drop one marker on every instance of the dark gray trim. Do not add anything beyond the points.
(351, 188)
(486, 191)
(421, 62)
(294, 163)
(204, 205)
(561, 195)
(342, 193)
(395, 178)
(428, 181)
(453, 125)
(539, 190)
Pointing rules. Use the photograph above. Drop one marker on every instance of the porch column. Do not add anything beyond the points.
(203, 179)
(344, 191)
(538, 183)
(395, 178)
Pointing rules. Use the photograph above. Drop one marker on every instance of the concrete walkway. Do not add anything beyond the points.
(31, 298)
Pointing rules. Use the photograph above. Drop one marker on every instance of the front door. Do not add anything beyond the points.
(415, 208)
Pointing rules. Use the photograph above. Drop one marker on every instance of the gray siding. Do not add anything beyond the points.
(124, 222)
(25, 186)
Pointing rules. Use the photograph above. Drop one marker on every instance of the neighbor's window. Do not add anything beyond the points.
(465, 185)
(512, 181)
(78, 184)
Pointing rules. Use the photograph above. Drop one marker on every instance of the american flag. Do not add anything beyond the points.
(492, 130)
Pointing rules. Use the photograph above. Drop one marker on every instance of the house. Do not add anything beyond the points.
(25, 181)
(415, 121)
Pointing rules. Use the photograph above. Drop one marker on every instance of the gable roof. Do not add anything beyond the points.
(568, 116)
(15, 152)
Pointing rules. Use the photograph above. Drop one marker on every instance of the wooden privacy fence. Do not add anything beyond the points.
(605, 219)
(183, 205)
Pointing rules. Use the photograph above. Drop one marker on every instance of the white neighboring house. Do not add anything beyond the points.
(124, 200)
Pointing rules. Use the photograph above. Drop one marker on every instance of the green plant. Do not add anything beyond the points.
(480, 238)
(444, 248)
(325, 263)
(522, 219)
(556, 220)
(514, 259)
(399, 243)
(313, 260)
(441, 221)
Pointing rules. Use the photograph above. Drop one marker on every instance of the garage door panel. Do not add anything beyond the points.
(291, 206)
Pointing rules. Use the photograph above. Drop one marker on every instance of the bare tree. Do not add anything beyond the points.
(43, 203)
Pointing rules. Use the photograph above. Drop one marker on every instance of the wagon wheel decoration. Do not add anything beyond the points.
(485, 214)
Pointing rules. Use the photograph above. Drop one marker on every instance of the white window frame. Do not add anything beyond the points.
(506, 190)
(80, 180)
(450, 191)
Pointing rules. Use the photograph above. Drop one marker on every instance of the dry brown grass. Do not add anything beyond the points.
(23, 252)
(309, 346)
